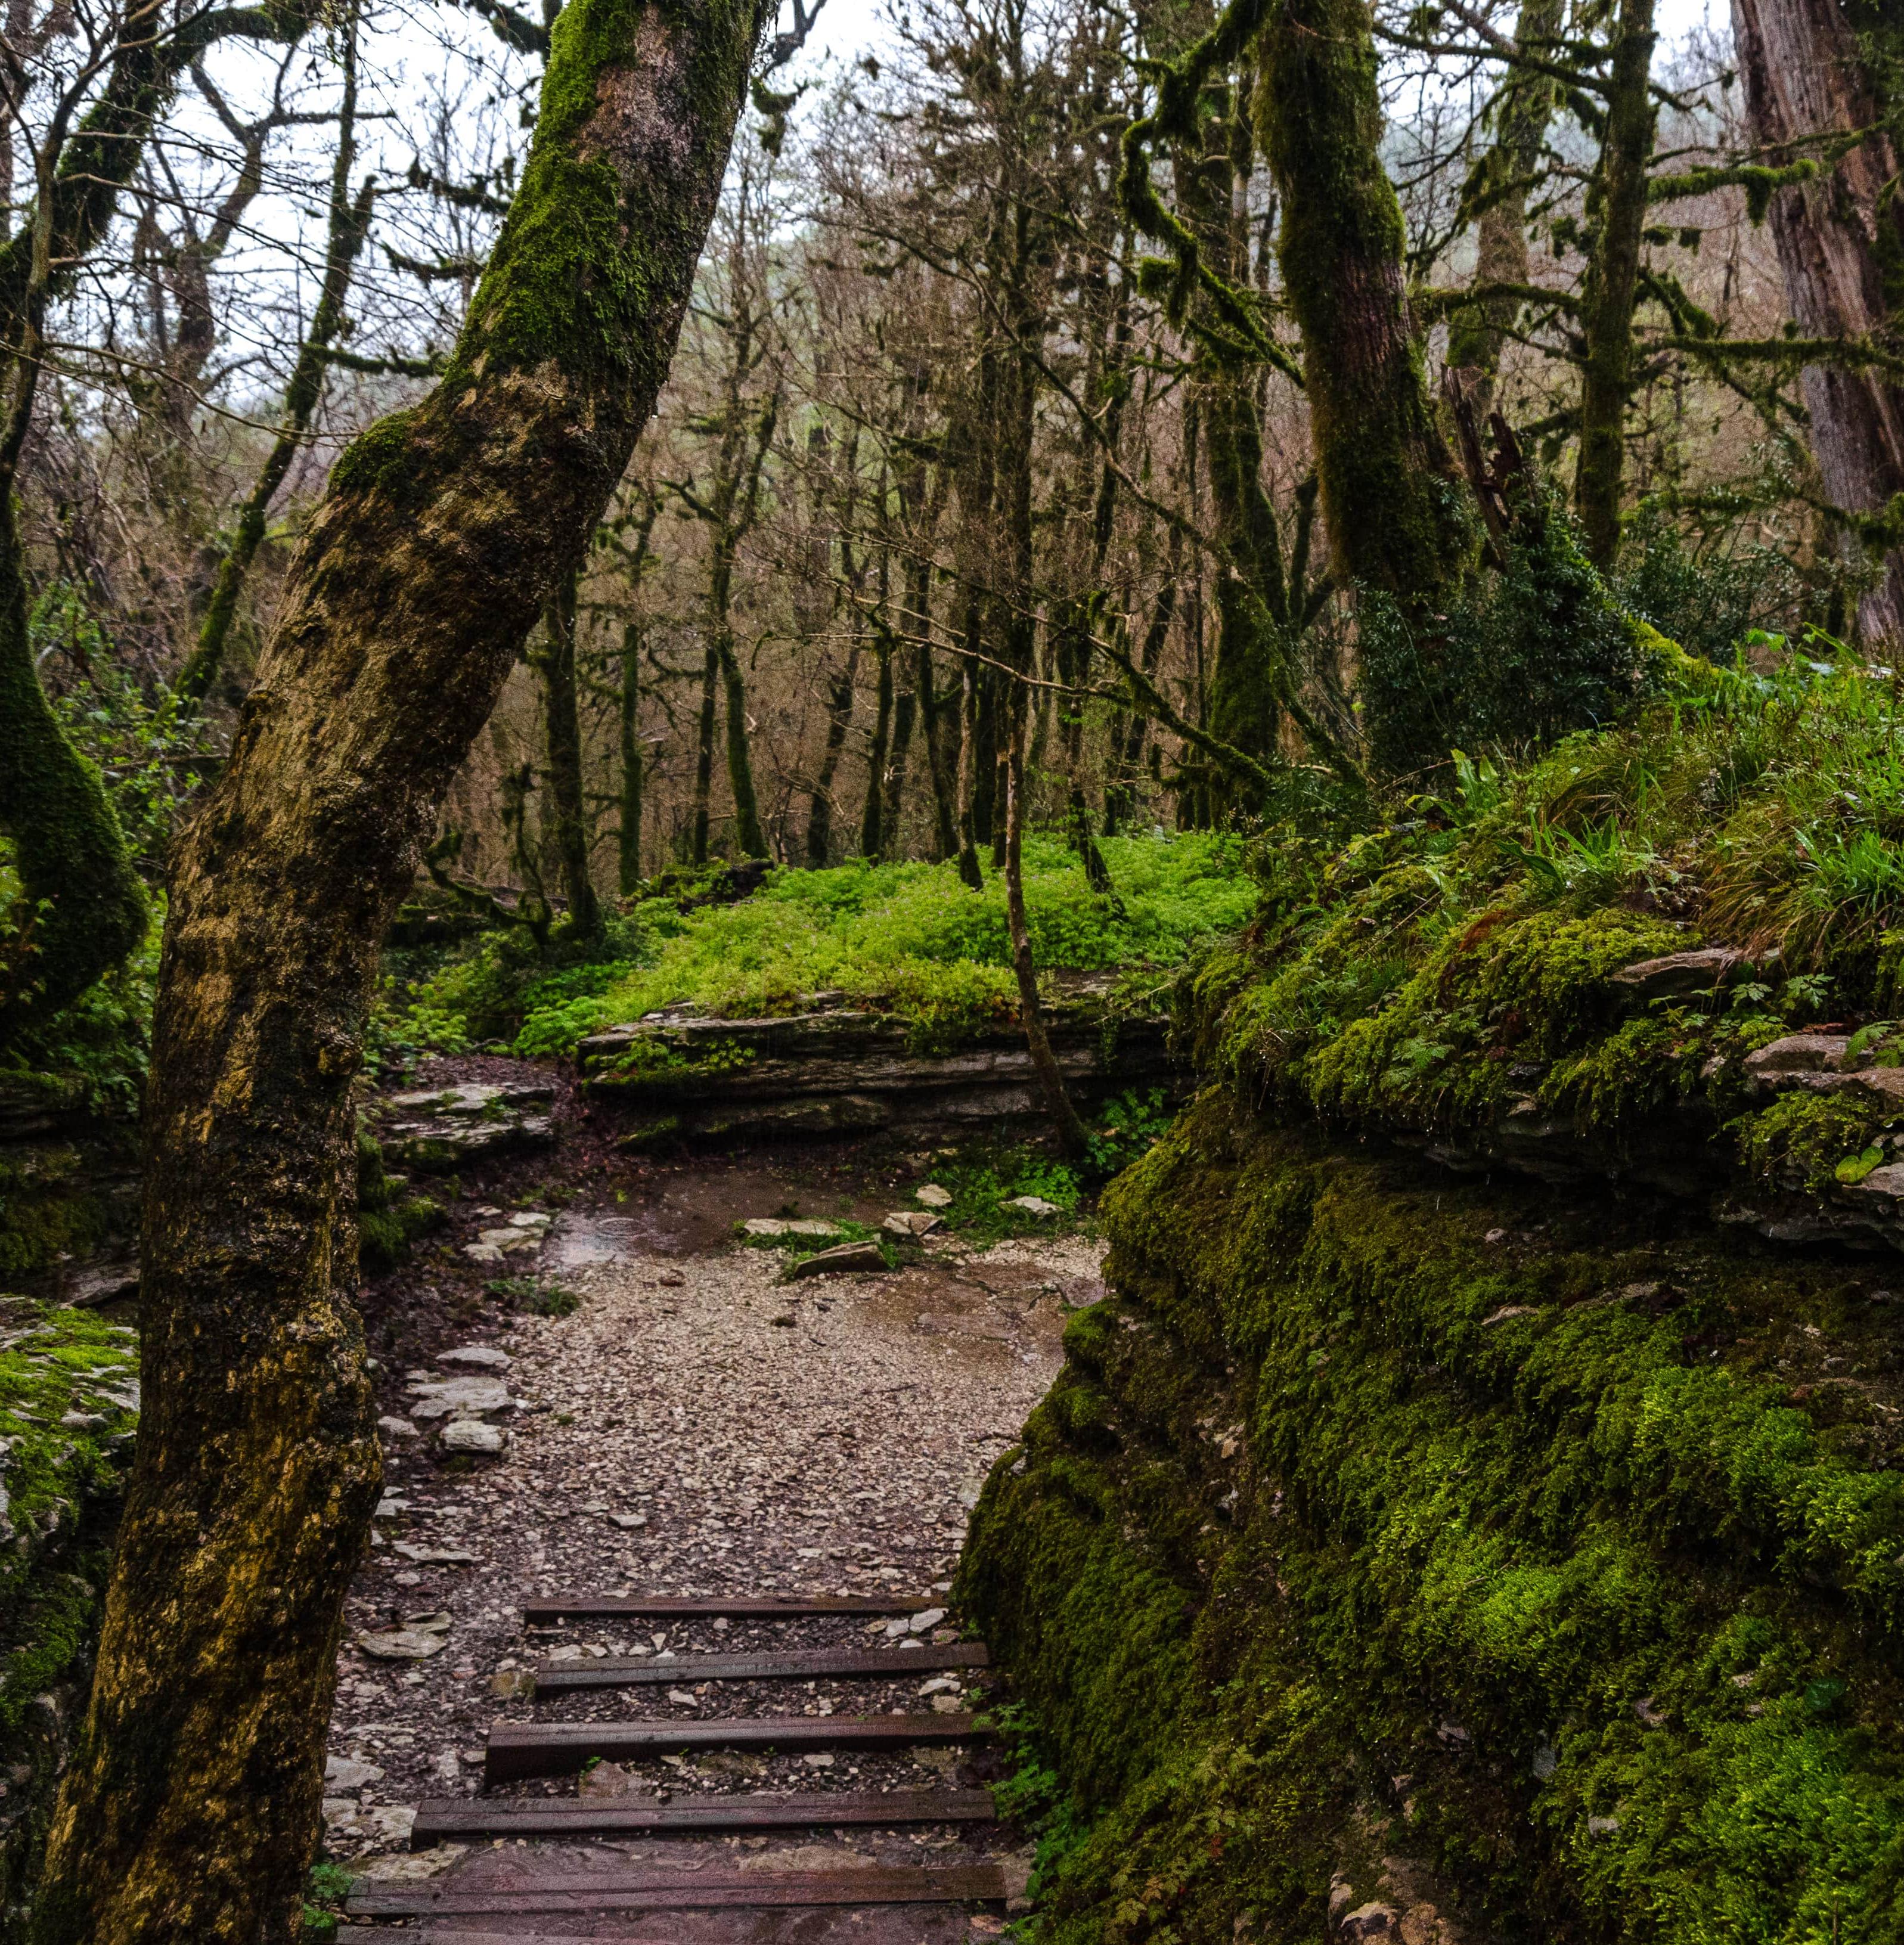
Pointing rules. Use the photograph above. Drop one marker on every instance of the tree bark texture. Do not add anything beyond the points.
(190, 1810)
(628, 839)
(1616, 208)
(1521, 110)
(1396, 515)
(568, 793)
(1803, 76)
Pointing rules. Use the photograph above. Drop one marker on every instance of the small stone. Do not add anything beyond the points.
(396, 1428)
(434, 1556)
(1033, 1205)
(406, 1644)
(476, 1356)
(848, 1258)
(482, 1252)
(82, 1421)
(1602, 1826)
(605, 1779)
(681, 1698)
(530, 1218)
(819, 1759)
(1680, 975)
(471, 1434)
(941, 1685)
(513, 1684)
(933, 1196)
(390, 1507)
(671, 1279)
(948, 1705)
(911, 1222)
(629, 1522)
(925, 1621)
(347, 1773)
(460, 1397)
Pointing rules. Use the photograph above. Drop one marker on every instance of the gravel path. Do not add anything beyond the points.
(696, 1426)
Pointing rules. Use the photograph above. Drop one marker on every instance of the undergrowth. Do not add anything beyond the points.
(905, 938)
(1438, 970)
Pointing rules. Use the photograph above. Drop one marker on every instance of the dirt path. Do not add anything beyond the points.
(695, 1426)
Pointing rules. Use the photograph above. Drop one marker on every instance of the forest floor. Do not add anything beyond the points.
(696, 1425)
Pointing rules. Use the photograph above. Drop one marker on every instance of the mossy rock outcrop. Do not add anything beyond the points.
(1405, 1555)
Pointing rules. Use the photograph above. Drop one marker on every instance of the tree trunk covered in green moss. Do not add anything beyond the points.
(628, 833)
(1397, 514)
(1616, 207)
(567, 792)
(1521, 111)
(192, 1806)
(83, 908)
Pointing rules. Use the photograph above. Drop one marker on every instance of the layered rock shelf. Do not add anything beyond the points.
(833, 1069)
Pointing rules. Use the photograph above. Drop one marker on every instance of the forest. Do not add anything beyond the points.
(1245, 653)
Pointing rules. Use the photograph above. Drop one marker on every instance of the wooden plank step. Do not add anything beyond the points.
(794, 1665)
(449, 1818)
(518, 1749)
(678, 1891)
(547, 1608)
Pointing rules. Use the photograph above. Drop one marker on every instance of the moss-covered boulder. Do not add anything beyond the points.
(1401, 1554)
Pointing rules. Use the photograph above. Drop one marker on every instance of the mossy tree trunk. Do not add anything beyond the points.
(1616, 208)
(1837, 237)
(628, 878)
(567, 792)
(191, 1807)
(1397, 516)
(1521, 110)
(83, 908)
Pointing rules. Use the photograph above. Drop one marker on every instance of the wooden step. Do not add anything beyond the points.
(545, 1609)
(515, 1750)
(578, 1893)
(453, 1818)
(793, 1665)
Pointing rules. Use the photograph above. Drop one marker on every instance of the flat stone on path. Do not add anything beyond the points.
(848, 1256)
(471, 1434)
(933, 1196)
(459, 1398)
(476, 1356)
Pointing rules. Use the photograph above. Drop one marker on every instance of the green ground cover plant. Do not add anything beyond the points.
(907, 937)
(1431, 970)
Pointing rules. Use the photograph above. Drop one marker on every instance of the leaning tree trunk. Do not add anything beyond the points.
(1396, 516)
(628, 836)
(1804, 76)
(190, 1810)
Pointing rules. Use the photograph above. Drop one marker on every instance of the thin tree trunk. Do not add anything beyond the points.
(628, 843)
(749, 839)
(969, 870)
(872, 839)
(1804, 76)
(568, 793)
(703, 765)
(1072, 1134)
(1522, 110)
(839, 719)
(905, 708)
(945, 817)
(349, 225)
(190, 1809)
(1616, 208)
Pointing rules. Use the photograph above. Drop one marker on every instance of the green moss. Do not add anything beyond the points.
(1536, 1524)
(1800, 1140)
